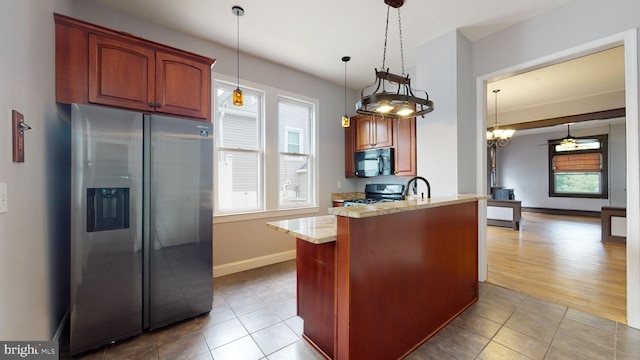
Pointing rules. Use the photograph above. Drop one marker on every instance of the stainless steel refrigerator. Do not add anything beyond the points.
(141, 223)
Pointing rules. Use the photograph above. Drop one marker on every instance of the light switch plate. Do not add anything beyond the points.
(4, 200)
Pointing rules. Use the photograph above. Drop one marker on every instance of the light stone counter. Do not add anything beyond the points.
(347, 196)
(322, 229)
(317, 230)
(362, 211)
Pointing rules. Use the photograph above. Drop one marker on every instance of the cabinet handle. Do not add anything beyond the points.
(150, 104)
(158, 105)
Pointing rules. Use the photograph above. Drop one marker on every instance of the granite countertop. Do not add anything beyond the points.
(347, 196)
(322, 229)
(362, 211)
(317, 230)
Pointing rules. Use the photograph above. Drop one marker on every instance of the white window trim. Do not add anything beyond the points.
(269, 140)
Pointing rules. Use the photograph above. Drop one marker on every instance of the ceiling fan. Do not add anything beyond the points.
(568, 142)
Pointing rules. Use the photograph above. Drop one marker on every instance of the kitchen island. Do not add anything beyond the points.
(391, 277)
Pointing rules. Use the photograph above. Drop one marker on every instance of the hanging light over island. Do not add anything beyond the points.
(399, 101)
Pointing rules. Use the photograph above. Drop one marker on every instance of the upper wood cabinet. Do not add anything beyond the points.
(404, 142)
(121, 74)
(372, 132)
(349, 150)
(102, 66)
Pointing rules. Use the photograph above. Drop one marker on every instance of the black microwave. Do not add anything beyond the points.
(376, 162)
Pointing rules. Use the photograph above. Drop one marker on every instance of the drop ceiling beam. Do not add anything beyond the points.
(598, 115)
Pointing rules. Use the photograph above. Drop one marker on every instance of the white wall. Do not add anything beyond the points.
(34, 233)
(524, 167)
(437, 134)
(618, 162)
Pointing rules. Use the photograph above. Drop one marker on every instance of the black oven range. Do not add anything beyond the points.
(378, 193)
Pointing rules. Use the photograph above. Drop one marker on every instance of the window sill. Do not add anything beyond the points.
(227, 218)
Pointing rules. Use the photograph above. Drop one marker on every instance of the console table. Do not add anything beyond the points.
(504, 213)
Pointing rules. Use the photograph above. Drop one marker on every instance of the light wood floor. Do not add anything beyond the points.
(562, 260)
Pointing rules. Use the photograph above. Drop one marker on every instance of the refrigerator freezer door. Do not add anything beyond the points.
(106, 231)
(180, 279)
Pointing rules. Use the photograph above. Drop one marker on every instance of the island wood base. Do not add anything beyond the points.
(389, 282)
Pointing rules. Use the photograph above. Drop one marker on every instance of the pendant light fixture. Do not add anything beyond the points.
(238, 97)
(346, 121)
(400, 101)
(497, 136)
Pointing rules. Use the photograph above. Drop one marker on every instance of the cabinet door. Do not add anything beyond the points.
(349, 150)
(182, 86)
(364, 134)
(383, 131)
(405, 145)
(373, 132)
(121, 73)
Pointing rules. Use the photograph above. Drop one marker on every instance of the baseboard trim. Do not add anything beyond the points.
(253, 263)
(61, 326)
(562, 212)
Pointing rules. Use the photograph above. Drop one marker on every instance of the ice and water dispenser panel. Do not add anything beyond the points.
(107, 209)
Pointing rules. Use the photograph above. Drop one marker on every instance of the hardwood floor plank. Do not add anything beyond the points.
(561, 259)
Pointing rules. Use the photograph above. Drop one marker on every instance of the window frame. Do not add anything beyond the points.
(259, 150)
(309, 154)
(270, 153)
(604, 172)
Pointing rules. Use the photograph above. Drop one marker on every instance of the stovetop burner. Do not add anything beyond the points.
(379, 193)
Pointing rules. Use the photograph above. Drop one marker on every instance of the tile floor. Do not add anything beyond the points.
(254, 317)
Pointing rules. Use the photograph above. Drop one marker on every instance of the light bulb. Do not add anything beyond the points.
(384, 108)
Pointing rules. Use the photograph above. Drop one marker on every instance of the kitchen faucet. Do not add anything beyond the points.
(415, 186)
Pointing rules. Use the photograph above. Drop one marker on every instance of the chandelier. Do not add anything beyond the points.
(497, 136)
(399, 101)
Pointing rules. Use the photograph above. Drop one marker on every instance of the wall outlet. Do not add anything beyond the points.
(339, 185)
(4, 200)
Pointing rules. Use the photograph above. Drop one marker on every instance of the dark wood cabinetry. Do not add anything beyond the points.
(359, 304)
(102, 66)
(121, 73)
(401, 134)
(372, 132)
(404, 141)
(349, 149)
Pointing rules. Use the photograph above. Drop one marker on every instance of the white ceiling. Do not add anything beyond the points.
(313, 36)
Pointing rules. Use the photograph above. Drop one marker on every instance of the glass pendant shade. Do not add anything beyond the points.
(238, 97)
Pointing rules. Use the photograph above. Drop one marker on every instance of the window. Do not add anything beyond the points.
(239, 151)
(264, 155)
(579, 171)
(292, 140)
(295, 120)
